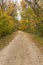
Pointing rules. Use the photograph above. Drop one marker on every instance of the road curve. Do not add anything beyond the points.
(21, 51)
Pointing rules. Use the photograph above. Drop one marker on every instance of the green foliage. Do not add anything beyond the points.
(35, 23)
(30, 22)
(23, 25)
(40, 31)
(6, 24)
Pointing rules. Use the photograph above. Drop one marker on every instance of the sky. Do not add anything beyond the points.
(18, 1)
(18, 11)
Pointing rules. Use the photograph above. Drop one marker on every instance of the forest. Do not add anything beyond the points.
(26, 15)
(21, 32)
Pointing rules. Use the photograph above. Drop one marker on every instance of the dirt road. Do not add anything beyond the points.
(21, 51)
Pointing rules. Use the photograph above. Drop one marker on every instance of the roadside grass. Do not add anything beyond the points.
(35, 38)
(38, 39)
(5, 40)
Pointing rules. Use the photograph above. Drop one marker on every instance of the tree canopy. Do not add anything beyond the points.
(30, 13)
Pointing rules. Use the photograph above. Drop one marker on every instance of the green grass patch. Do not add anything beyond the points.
(35, 38)
(38, 39)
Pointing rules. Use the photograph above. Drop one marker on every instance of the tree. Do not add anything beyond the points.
(35, 6)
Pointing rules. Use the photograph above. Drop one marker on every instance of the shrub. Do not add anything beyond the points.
(6, 24)
(41, 29)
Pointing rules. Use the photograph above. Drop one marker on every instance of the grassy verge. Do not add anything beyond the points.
(5, 40)
(38, 39)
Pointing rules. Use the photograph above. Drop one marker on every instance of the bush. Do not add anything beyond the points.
(41, 29)
(6, 24)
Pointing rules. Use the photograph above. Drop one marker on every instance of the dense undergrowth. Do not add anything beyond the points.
(7, 24)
